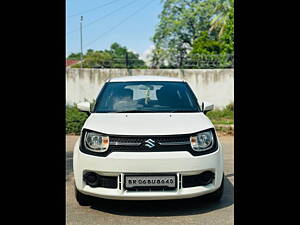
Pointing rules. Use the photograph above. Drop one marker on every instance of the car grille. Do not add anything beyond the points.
(157, 143)
(137, 139)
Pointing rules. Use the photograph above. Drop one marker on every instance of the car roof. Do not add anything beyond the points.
(144, 78)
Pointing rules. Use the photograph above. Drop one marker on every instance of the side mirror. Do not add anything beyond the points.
(84, 107)
(206, 107)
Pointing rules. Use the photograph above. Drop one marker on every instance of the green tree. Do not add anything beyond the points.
(123, 58)
(158, 58)
(97, 59)
(181, 23)
(205, 52)
(222, 16)
(213, 53)
(194, 33)
(205, 45)
(74, 56)
(115, 57)
(227, 37)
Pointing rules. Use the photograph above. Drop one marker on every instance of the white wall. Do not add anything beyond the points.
(212, 85)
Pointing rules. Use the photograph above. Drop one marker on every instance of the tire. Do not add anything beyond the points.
(217, 195)
(82, 199)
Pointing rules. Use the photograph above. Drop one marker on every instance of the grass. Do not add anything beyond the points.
(222, 117)
(225, 131)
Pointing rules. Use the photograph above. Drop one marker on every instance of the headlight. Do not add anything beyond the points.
(96, 142)
(202, 141)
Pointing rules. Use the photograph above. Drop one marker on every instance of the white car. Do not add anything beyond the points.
(147, 138)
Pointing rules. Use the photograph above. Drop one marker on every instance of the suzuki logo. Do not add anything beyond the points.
(150, 143)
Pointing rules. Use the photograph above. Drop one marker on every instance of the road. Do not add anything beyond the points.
(179, 212)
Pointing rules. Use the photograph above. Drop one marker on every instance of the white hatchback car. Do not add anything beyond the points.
(147, 138)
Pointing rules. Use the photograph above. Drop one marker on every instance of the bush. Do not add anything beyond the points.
(230, 107)
(74, 120)
(224, 116)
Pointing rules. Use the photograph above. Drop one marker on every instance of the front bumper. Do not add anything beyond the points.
(118, 164)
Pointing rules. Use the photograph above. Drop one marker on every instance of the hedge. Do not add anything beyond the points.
(74, 120)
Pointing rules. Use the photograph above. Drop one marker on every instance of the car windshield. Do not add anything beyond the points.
(146, 96)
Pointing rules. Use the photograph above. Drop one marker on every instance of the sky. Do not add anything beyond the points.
(130, 23)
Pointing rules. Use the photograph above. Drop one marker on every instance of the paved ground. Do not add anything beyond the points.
(156, 212)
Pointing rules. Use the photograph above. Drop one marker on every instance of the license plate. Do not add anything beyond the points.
(132, 181)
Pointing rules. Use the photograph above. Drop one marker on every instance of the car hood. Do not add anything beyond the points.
(147, 123)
